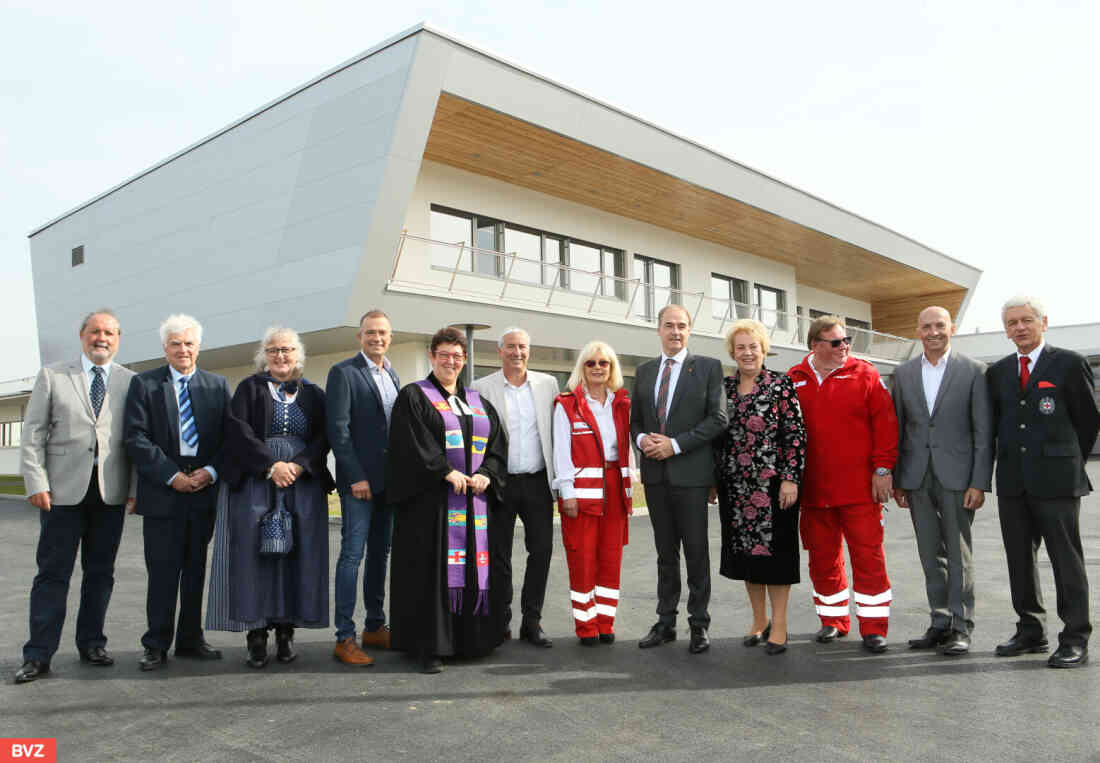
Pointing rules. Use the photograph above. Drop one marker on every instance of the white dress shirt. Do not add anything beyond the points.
(185, 449)
(88, 366)
(385, 384)
(1034, 355)
(932, 376)
(563, 441)
(524, 446)
(673, 377)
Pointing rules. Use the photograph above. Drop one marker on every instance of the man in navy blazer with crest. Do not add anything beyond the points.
(360, 394)
(174, 431)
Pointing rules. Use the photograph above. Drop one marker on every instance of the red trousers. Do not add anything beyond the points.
(594, 553)
(823, 531)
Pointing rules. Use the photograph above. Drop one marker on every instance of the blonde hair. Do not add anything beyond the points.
(614, 378)
(753, 328)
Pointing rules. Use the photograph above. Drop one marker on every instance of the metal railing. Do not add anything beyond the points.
(473, 272)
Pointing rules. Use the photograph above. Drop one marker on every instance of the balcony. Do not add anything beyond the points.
(459, 271)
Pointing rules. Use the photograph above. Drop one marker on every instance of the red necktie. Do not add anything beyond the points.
(1024, 373)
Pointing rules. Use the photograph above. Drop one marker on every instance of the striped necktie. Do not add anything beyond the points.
(662, 395)
(188, 430)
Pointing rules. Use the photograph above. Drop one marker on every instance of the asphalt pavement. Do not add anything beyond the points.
(816, 702)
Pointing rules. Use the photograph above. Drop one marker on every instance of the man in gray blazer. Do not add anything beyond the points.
(525, 400)
(945, 467)
(78, 476)
(678, 407)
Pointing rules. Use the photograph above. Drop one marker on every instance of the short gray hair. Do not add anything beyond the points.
(1023, 300)
(512, 330)
(102, 311)
(260, 358)
(178, 324)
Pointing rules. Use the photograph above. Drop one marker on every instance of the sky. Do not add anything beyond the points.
(968, 126)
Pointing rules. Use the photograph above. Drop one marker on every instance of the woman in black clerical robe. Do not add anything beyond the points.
(431, 618)
(275, 450)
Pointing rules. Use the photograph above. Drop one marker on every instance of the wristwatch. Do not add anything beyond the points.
(882, 471)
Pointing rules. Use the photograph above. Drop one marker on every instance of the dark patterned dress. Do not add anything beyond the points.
(764, 444)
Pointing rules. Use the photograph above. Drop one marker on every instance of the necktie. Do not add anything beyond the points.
(662, 394)
(99, 389)
(188, 430)
(1024, 373)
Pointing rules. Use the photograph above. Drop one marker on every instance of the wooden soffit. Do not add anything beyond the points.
(480, 140)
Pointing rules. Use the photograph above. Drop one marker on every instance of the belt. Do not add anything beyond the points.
(539, 473)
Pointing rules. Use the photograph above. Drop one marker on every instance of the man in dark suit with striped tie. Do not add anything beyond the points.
(175, 418)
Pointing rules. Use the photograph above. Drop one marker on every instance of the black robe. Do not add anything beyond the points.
(420, 618)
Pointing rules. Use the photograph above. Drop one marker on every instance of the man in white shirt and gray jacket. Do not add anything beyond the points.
(525, 401)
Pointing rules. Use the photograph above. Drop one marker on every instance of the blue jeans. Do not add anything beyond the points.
(365, 525)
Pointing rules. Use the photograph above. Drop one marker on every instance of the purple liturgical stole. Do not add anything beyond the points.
(457, 526)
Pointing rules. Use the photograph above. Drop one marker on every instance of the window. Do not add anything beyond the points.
(817, 313)
(772, 304)
(861, 340)
(527, 245)
(78, 255)
(10, 434)
(660, 286)
(729, 297)
(453, 228)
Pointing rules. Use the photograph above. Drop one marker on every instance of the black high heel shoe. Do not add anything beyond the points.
(754, 639)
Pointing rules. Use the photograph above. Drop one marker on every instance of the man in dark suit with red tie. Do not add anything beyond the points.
(1045, 424)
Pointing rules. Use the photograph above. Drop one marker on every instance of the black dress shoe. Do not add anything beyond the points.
(771, 648)
(1069, 656)
(829, 633)
(699, 641)
(535, 636)
(956, 644)
(607, 638)
(284, 644)
(431, 664)
(658, 634)
(31, 671)
(754, 639)
(589, 640)
(202, 651)
(874, 643)
(1018, 645)
(257, 648)
(96, 655)
(153, 659)
(932, 638)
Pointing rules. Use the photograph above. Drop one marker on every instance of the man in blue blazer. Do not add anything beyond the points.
(360, 395)
(174, 430)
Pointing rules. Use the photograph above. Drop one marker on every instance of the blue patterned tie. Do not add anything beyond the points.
(188, 429)
(99, 389)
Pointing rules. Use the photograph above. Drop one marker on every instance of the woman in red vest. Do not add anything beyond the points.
(592, 462)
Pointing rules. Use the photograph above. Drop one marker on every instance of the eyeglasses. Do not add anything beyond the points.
(280, 350)
(454, 357)
(837, 342)
(602, 363)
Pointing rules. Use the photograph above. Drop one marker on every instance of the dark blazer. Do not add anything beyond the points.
(357, 428)
(152, 436)
(246, 453)
(957, 438)
(1043, 434)
(696, 415)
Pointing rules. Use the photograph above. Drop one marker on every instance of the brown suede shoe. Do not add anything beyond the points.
(379, 639)
(349, 653)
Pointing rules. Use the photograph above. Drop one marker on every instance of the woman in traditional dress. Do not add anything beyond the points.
(275, 455)
(592, 464)
(445, 467)
(758, 467)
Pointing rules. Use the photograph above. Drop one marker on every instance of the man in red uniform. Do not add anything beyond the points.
(851, 449)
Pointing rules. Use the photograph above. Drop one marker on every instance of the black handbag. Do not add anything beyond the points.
(277, 528)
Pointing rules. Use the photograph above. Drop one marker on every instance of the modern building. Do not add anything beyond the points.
(446, 185)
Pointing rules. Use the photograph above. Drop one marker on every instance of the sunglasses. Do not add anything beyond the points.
(837, 342)
(601, 363)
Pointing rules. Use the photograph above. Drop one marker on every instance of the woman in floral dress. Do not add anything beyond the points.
(758, 464)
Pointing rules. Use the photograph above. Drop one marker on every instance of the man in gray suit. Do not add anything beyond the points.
(525, 400)
(678, 407)
(945, 467)
(78, 476)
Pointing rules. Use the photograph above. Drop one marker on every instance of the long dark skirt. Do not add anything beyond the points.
(249, 591)
(781, 565)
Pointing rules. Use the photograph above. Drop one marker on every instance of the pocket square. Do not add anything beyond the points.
(1045, 385)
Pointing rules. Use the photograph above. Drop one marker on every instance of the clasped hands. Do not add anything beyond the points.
(477, 483)
(191, 483)
(657, 446)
